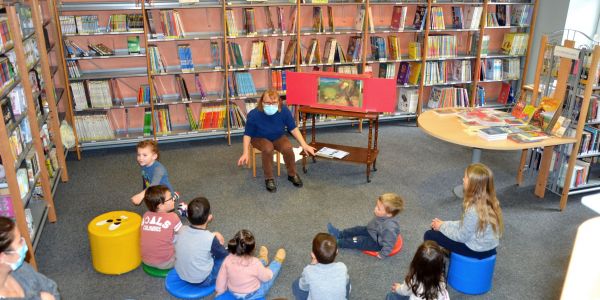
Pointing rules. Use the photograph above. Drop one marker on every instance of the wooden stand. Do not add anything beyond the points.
(359, 155)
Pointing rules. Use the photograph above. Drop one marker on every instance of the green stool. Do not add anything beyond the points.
(155, 272)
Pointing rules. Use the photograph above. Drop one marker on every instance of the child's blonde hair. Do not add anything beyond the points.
(393, 203)
(480, 192)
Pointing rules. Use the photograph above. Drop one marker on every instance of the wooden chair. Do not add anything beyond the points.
(253, 152)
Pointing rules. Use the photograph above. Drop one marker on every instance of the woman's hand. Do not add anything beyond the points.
(308, 149)
(436, 224)
(46, 296)
(243, 159)
(395, 286)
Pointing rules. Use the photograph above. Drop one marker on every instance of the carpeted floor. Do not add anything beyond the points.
(533, 254)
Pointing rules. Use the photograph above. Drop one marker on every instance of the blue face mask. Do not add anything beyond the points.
(22, 252)
(271, 109)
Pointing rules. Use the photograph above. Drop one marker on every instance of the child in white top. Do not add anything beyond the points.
(425, 279)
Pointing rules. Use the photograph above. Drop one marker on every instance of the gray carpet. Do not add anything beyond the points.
(533, 254)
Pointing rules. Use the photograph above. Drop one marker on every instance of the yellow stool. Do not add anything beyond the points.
(115, 242)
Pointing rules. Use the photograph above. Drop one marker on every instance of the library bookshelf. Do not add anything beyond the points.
(206, 62)
(30, 142)
(567, 169)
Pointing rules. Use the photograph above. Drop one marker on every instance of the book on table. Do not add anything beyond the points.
(493, 133)
(331, 153)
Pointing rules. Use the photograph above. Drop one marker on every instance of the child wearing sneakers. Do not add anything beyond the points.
(153, 172)
(323, 278)
(199, 253)
(244, 275)
(381, 232)
(159, 226)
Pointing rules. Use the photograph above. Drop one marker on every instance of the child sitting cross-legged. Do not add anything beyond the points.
(323, 278)
(381, 232)
(159, 226)
(199, 252)
(244, 275)
(426, 276)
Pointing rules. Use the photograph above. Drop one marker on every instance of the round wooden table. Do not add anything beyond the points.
(450, 129)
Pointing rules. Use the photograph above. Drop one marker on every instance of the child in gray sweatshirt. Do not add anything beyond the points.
(381, 232)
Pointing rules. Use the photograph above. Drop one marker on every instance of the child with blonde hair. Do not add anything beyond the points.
(426, 276)
(243, 275)
(381, 232)
(478, 232)
(153, 172)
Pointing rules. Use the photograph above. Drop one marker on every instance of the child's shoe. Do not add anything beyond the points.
(280, 256)
(263, 254)
(182, 209)
(333, 231)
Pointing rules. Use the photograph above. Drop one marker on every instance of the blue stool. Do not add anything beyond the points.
(228, 296)
(179, 288)
(470, 275)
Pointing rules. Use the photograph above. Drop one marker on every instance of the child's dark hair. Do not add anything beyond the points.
(198, 211)
(324, 248)
(242, 243)
(427, 269)
(149, 143)
(155, 196)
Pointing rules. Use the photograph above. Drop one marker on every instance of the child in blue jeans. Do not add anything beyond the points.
(199, 253)
(381, 232)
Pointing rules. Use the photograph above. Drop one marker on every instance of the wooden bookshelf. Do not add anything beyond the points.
(207, 22)
(32, 131)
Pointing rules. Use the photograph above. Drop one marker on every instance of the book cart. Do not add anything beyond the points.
(568, 169)
(206, 62)
(30, 141)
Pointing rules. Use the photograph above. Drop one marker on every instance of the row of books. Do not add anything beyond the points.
(594, 110)
(20, 138)
(447, 71)
(5, 37)
(98, 92)
(241, 84)
(237, 118)
(162, 120)
(515, 43)
(590, 141)
(87, 24)
(278, 79)
(580, 175)
(94, 127)
(7, 72)
(500, 69)
(171, 23)
(441, 46)
(448, 97)
(510, 15)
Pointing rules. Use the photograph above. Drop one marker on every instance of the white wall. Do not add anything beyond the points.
(583, 16)
(551, 16)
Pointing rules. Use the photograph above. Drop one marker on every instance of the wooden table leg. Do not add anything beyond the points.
(375, 142)
(522, 166)
(304, 135)
(313, 133)
(540, 186)
(369, 150)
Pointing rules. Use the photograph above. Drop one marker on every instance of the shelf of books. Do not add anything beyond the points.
(208, 61)
(29, 136)
(573, 169)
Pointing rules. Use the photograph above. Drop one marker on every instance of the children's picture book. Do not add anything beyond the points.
(331, 153)
(493, 133)
(420, 14)
(403, 73)
(457, 17)
(340, 92)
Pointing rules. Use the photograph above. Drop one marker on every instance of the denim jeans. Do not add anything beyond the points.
(454, 246)
(264, 288)
(357, 238)
(303, 295)
(394, 296)
(212, 277)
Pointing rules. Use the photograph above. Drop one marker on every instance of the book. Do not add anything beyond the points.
(420, 15)
(249, 22)
(398, 17)
(493, 134)
(331, 153)
(133, 44)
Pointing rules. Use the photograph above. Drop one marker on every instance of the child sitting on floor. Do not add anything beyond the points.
(159, 226)
(381, 232)
(199, 252)
(426, 277)
(153, 172)
(244, 275)
(478, 232)
(323, 278)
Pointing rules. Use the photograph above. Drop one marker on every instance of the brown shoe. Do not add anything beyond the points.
(295, 180)
(270, 184)
(280, 255)
(263, 254)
